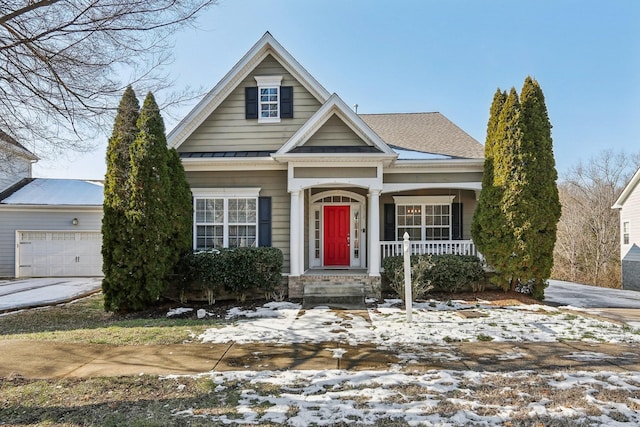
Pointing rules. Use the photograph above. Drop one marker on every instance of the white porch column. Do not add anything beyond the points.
(301, 247)
(374, 232)
(294, 237)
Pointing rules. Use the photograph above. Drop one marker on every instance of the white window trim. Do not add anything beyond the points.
(225, 194)
(266, 82)
(424, 201)
(627, 233)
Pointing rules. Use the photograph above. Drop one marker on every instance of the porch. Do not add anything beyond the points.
(429, 247)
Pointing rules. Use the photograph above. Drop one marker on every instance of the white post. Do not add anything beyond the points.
(408, 291)
(374, 232)
(294, 238)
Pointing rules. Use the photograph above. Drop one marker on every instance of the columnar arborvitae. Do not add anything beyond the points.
(514, 225)
(115, 244)
(484, 232)
(149, 217)
(180, 200)
(539, 207)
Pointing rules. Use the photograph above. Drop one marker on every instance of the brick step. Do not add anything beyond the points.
(345, 295)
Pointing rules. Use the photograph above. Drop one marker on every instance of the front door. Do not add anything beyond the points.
(336, 235)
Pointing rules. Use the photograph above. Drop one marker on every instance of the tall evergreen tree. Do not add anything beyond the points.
(149, 218)
(181, 203)
(483, 227)
(539, 205)
(115, 244)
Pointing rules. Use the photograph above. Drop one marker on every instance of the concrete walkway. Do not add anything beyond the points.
(39, 292)
(40, 359)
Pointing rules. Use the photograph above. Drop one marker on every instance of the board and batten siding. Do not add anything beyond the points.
(335, 133)
(630, 213)
(12, 220)
(226, 129)
(271, 183)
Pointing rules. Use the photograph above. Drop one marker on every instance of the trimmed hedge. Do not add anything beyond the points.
(440, 273)
(238, 271)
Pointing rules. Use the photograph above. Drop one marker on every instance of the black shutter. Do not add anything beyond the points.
(251, 102)
(286, 102)
(389, 222)
(264, 221)
(456, 219)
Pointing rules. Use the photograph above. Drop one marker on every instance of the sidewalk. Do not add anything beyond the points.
(39, 359)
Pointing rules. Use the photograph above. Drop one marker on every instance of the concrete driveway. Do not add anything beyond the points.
(585, 296)
(26, 293)
(616, 304)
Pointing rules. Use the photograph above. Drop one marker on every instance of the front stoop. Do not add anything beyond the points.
(346, 295)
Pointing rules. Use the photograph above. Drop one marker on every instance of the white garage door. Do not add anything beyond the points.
(59, 253)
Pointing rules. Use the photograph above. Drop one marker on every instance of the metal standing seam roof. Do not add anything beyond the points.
(424, 132)
(57, 192)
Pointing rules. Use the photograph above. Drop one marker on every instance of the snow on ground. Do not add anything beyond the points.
(434, 322)
(443, 398)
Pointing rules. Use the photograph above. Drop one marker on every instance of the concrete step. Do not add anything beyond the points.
(347, 295)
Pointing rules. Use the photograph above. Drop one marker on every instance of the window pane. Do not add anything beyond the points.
(251, 210)
(242, 236)
(414, 233)
(208, 237)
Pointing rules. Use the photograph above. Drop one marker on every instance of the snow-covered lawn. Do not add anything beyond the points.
(434, 322)
(400, 396)
(433, 398)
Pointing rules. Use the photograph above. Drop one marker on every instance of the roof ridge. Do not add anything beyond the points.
(397, 114)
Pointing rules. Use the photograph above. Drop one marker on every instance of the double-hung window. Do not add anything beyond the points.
(625, 233)
(268, 98)
(224, 219)
(423, 217)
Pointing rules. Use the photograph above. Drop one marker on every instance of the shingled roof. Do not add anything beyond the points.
(424, 132)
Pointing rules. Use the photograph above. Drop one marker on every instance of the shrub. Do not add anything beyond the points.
(420, 284)
(238, 271)
(451, 273)
(444, 273)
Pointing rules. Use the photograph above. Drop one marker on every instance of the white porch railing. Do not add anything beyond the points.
(430, 247)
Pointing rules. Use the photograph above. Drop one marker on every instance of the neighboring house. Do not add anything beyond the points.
(48, 227)
(274, 159)
(15, 161)
(629, 205)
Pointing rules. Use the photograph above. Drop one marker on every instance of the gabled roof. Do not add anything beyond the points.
(267, 45)
(16, 146)
(54, 192)
(627, 191)
(335, 106)
(424, 132)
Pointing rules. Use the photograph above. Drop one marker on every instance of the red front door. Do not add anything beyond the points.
(336, 235)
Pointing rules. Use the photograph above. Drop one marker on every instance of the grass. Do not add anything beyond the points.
(85, 321)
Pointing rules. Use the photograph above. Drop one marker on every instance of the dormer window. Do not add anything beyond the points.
(269, 101)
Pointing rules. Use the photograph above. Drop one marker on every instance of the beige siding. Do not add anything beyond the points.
(631, 212)
(335, 133)
(271, 183)
(227, 129)
(401, 178)
(335, 172)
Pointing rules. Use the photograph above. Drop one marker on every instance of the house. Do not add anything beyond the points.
(48, 227)
(629, 205)
(274, 159)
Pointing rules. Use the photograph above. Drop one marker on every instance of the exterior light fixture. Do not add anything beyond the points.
(74, 221)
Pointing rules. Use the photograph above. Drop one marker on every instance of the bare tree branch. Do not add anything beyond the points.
(61, 63)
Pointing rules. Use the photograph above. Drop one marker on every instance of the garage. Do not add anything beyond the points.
(51, 228)
(59, 253)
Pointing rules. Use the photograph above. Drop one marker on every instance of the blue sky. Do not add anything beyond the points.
(447, 56)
